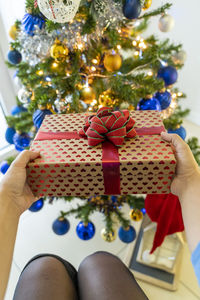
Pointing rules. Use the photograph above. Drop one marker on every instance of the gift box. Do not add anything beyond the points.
(144, 164)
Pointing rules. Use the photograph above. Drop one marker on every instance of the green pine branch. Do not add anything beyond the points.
(156, 12)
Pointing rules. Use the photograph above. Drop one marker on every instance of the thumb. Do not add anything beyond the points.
(175, 140)
(24, 158)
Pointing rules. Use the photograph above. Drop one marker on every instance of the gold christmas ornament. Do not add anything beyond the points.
(13, 32)
(112, 61)
(147, 4)
(136, 215)
(107, 98)
(108, 236)
(58, 51)
(88, 94)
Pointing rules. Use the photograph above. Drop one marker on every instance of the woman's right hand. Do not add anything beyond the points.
(187, 170)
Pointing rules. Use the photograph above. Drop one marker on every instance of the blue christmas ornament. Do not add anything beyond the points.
(4, 167)
(61, 226)
(17, 110)
(114, 199)
(39, 116)
(143, 210)
(169, 74)
(164, 99)
(14, 57)
(21, 141)
(149, 104)
(85, 232)
(180, 131)
(30, 21)
(127, 236)
(132, 9)
(9, 134)
(36, 206)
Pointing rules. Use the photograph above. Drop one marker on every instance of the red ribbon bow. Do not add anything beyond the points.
(108, 124)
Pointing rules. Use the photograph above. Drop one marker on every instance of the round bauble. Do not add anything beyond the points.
(136, 215)
(9, 134)
(180, 57)
(14, 57)
(169, 74)
(59, 11)
(23, 95)
(30, 22)
(39, 115)
(17, 110)
(36, 206)
(127, 235)
(112, 61)
(87, 94)
(58, 51)
(166, 23)
(21, 141)
(180, 131)
(108, 236)
(13, 32)
(149, 104)
(147, 4)
(61, 226)
(164, 99)
(4, 166)
(85, 231)
(143, 210)
(132, 9)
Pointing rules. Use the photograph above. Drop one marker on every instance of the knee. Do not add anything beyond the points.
(44, 268)
(97, 258)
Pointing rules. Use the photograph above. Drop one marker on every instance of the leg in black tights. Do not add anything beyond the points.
(102, 276)
(45, 278)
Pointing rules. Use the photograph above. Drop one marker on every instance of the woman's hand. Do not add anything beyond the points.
(187, 170)
(14, 187)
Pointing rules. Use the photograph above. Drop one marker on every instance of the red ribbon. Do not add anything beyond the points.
(110, 155)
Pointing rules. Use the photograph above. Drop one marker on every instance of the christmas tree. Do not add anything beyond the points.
(71, 56)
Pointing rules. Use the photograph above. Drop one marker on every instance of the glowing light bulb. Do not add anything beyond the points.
(174, 95)
(150, 73)
(119, 30)
(136, 53)
(93, 69)
(40, 72)
(180, 94)
(95, 61)
(54, 65)
(134, 43)
(90, 108)
(80, 46)
(119, 47)
(138, 38)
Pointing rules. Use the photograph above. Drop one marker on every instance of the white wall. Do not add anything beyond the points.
(186, 31)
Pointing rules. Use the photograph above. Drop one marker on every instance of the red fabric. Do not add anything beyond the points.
(166, 211)
(111, 168)
(108, 125)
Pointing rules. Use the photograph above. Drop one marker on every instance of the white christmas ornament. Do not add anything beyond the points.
(166, 23)
(180, 57)
(23, 95)
(59, 11)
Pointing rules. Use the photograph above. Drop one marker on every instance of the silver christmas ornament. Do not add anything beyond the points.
(23, 95)
(60, 11)
(166, 23)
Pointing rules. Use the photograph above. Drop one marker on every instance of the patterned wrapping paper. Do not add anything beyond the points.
(72, 168)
